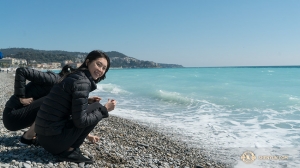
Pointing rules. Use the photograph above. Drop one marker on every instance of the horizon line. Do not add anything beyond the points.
(246, 66)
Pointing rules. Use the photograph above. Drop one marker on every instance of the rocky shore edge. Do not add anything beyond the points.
(123, 143)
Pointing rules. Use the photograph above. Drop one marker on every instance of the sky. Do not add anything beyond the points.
(192, 33)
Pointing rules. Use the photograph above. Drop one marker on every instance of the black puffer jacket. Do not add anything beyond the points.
(40, 85)
(68, 98)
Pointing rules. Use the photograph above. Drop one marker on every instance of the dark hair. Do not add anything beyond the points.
(93, 55)
(66, 70)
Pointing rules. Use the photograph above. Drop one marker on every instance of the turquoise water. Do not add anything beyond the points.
(213, 107)
(249, 98)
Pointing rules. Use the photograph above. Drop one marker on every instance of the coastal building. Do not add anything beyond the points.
(67, 62)
(55, 65)
(52, 65)
(7, 62)
(71, 63)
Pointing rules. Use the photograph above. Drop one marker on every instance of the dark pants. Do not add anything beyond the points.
(16, 119)
(71, 136)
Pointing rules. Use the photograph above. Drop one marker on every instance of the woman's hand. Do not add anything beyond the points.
(110, 105)
(26, 101)
(94, 99)
(92, 138)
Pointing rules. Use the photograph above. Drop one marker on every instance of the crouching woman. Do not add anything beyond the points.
(67, 116)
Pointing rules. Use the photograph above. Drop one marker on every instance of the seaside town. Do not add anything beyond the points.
(9, 64)
(12, 58)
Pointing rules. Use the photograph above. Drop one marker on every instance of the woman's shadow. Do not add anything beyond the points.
(12, 151)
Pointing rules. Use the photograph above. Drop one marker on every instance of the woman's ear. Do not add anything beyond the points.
(86, 62)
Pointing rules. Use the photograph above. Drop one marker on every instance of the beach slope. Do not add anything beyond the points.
(123, 143)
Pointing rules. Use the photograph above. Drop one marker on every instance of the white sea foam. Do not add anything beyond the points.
(110, 88)
(214, 131)
(295, 98)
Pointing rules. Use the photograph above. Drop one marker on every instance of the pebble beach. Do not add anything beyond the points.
(123, 143)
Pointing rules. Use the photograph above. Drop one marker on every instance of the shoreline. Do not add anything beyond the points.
(123, 143)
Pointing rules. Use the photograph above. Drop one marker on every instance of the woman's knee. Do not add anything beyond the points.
(9, 126)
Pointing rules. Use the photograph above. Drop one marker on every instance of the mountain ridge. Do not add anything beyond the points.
(118, 60)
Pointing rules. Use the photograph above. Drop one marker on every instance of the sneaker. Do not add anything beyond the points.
(74, 156)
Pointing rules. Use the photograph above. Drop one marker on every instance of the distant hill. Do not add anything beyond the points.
(46, 56)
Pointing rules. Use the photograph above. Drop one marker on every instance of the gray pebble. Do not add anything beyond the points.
(4, 165)
(26, 165)
(81, 165)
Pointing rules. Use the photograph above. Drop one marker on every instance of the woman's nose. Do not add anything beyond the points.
(100, 70)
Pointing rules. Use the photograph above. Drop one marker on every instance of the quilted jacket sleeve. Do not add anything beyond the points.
(80, 115)
(35, 76)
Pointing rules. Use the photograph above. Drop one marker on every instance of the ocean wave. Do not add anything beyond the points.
(173, 97)
(294, 98)
(110, 88)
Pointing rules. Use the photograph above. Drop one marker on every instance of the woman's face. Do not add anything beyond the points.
(97, 67)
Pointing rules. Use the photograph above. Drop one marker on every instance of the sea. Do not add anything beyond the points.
(245, 116)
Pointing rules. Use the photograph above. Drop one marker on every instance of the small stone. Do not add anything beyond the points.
(144, 145)
(26, 165)
(87, 152)
(81, 165)
(74, 166)
(4, 165)
(50, 164)
(197, 166)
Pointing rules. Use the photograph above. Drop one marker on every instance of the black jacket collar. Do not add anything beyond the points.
(89, 76)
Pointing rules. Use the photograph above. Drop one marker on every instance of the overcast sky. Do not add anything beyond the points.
(192, 33)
